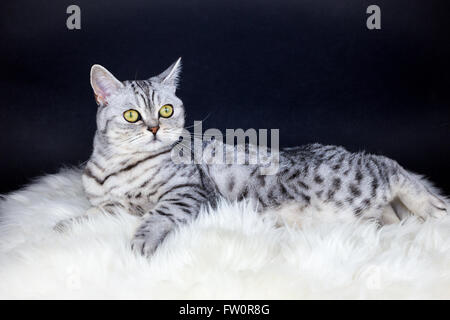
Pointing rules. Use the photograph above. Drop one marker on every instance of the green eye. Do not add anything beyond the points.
(166, 111)
(131, 115)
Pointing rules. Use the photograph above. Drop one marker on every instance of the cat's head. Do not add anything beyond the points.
(141, 115)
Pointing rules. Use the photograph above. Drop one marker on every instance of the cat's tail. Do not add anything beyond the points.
(418, 195)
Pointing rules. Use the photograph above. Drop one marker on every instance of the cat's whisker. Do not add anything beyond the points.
(200, 135)
(201, 122)
(109, 150)
(205, 137)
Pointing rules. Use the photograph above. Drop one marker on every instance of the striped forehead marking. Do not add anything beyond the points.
(141, 92)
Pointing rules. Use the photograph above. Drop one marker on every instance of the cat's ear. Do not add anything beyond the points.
(104, 84)
(170, 76)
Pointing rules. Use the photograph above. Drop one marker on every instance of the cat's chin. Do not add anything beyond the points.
(156, 145)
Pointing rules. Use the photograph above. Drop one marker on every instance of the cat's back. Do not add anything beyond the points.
(312, 151)
(313, 155)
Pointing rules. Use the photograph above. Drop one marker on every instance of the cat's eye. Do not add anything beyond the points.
(132, 115)
(166, 111)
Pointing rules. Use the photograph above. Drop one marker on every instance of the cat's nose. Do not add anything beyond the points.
(154, 130)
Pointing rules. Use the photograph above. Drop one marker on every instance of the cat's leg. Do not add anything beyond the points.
(418, 196)
(109, 208)
(372, 213)
(406, 192)
(394, 212)
(174, 209)
(389, 215)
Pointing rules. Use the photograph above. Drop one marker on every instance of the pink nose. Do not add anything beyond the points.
(154, 130)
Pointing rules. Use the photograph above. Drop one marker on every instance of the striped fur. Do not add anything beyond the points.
(131, 168)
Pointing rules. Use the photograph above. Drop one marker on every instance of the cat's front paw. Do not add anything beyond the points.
(66, 224)
(143, 245)
(150, 234)
(63, 225)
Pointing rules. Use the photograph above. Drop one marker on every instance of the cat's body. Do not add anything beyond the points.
(143, 179)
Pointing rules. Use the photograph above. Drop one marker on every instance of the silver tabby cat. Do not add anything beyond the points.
(131, 168)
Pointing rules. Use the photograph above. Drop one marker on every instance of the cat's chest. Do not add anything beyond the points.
(137, 181)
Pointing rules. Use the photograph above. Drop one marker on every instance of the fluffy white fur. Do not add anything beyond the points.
(229, 253)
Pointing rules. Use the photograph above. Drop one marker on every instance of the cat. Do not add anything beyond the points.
(139, 124)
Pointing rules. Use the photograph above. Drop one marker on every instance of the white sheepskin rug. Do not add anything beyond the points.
(228, 253)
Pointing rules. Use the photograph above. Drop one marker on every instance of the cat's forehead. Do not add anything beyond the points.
(139, 86)
(147, 88)
(141, 93)
(145, 95)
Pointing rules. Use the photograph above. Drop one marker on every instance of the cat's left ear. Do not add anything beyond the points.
(170, 76)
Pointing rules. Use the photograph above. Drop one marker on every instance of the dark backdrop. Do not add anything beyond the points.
(310, 68)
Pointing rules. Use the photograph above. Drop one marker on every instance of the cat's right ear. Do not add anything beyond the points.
(104, 84)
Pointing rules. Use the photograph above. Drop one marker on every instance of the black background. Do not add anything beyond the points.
(308, 67)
